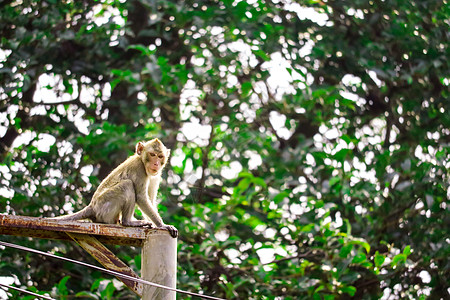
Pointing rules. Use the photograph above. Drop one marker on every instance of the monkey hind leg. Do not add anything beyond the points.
(85, 213)
(115, 201)
(127, 217)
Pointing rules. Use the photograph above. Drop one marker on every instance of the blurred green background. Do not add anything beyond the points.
(310, 140)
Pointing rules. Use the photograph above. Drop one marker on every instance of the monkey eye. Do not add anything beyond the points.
(160, 156)
(153, 154)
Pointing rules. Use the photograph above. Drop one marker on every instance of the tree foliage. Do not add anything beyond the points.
(310, 139)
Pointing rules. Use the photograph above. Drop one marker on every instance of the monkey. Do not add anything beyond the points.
(135, 181)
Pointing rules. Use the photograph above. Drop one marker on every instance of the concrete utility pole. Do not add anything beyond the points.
(159, 265)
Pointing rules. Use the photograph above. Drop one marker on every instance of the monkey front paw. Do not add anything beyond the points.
(172, 230)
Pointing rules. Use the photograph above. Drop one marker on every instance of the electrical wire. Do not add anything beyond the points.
(26, 291)
(114, 273)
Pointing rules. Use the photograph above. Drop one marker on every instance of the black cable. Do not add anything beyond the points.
(114, 273)
(26, 291)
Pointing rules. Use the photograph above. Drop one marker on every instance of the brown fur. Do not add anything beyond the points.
(135, 181)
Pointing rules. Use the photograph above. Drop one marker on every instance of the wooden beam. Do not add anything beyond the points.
(89, 236)
(55, 229)
(104, 256)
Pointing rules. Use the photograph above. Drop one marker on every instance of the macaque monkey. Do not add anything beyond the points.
(135, 181)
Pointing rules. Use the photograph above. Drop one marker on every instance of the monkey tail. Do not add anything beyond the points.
(85, 213)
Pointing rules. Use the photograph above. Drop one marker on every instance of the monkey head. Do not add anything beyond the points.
(154, 156)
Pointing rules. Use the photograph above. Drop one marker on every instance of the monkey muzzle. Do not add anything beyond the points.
(152, 171)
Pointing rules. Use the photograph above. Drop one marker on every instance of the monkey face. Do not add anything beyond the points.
(154, 162)
(154, 155)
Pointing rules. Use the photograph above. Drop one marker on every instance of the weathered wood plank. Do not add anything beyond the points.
(104, 256)
(55, 229)
(90, 237)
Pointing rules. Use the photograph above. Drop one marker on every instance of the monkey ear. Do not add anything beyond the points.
(139, 148)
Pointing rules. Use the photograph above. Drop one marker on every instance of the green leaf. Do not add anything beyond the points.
(17, 122)
(351, 290)
(334, 180)
(346, 138)
(62, 288)
(398, 259)
(348, 227)
(108, 292)
(319, 288)
(261, 54)
(246, 88)
(244, 184)
(259, 181)
(138, 260)
(307, 228)
(364, 244)
(341, 155)
(96, 284)
(359, 258)
(407, 250)
(345, 251)
(379, 259)
(143, 49)
(68, 86)
(280, 197)
(87, 295)
(26, 83)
